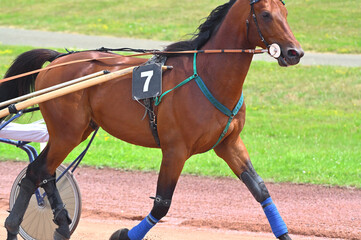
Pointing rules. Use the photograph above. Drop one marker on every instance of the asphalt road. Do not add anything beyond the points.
(35, 38)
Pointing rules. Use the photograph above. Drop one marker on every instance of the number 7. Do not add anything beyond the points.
(149, 75)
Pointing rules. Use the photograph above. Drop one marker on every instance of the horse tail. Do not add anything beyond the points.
(26, 62)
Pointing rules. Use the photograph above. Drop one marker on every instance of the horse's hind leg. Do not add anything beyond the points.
(41, 173)
(61, 216)
(38, 175)
(60, 149)
(233, 151)
(13, 221)
(28, 186)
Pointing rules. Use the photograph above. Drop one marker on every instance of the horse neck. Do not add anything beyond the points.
(224, 74)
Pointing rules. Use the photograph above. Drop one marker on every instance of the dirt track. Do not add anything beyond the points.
(203, 208)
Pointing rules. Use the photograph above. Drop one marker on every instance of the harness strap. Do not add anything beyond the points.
(258, 29)
(216, 103)
(159, 99)
(202, 86)
(152, 119)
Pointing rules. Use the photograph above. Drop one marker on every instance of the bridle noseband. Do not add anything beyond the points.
(253, 13)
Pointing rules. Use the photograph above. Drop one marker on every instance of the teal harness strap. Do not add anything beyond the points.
(234, 113)
(159, 99)
(210, 97)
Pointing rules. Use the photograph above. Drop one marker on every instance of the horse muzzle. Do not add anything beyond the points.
(290, 56)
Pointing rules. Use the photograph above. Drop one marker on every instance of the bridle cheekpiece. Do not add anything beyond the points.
(274, 49)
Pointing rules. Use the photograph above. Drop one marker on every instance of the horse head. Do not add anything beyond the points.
(267, 24)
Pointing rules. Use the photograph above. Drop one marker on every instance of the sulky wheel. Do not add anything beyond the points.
(38, 219)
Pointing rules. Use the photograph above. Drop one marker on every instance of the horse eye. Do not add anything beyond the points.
(266, 16)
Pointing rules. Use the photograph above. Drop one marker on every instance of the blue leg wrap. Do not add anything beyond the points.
(138, 232)
(277, 224)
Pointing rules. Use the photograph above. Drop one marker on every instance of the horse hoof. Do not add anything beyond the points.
(285, 237)
(58, 236)
(12, 229)
(121, 234)
(11, 237)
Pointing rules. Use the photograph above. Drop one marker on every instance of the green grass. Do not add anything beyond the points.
(327, 25)
(323, 26)
(7, 55)
(303, 125)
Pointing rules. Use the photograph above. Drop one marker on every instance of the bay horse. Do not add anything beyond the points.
(188, 122)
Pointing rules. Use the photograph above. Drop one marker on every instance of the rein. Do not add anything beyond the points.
(144, 53)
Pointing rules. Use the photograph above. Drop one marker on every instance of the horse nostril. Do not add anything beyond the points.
(293, 53)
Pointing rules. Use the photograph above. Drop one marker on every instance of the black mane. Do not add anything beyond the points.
(205, 30)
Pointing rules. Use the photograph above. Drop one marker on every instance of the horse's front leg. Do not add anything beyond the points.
(233, 151)
(171, 168)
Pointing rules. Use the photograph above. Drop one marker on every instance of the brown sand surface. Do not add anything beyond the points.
(202, 207)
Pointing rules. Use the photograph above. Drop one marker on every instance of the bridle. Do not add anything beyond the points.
(253, 14)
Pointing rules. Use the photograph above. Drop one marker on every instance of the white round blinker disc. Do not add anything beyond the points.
(274, 50)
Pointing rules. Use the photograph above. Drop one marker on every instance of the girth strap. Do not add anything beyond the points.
(152, 119)
(202, 86)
